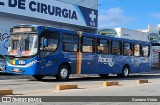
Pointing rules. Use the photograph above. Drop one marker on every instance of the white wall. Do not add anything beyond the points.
(137, 35)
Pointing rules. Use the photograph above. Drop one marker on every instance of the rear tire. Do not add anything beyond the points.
(38, 77)
(125, 72)
(103, 75)
(63, 73)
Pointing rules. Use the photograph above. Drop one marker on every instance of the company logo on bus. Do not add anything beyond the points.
(153, 37)
(110, 61)
(109, 32)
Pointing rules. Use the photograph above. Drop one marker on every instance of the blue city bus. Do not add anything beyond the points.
(45, 51)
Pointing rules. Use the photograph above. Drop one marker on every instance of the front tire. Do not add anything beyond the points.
(63, 73)
(38, 77)
(125, 72)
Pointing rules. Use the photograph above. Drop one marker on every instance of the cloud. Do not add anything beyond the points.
(113, 17)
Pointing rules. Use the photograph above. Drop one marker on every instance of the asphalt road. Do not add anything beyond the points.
(87, 86)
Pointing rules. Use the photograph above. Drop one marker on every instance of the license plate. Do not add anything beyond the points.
(16, 70)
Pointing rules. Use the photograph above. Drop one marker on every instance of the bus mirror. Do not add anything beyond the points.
(9, 49)
(45, 42)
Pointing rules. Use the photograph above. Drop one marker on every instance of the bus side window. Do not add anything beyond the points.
(88, 45)
(137, 50)
(127, 49)
(145, 51)
(70, 43)
(49, 42)
(102, 46)
(116, 47)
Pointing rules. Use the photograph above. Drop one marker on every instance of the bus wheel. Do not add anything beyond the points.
(63, 73)
(38, 77)
(125, 72)
(103, 75)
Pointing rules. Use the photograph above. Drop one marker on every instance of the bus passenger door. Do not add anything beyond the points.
(103, 56)
(88, 63)
(49, 54)
(145, 59)
(48, 62)
(116, 58)
(137, 58)
(88, 55)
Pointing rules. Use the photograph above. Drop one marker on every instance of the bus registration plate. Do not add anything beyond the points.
(15, 70)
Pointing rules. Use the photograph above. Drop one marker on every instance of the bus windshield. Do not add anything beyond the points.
(23, 45)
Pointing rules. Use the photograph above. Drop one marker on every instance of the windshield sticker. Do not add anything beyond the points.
(20, 52)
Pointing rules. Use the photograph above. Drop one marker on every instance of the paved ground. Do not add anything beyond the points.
(88, 86)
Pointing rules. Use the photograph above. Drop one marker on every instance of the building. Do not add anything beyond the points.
(69, 14)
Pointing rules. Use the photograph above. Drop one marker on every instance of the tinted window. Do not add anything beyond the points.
(51, 44)
(88, 45)
(116, 47)
(127, 49)
(48, 43)
(70, 43)
(70, 38)
(145, 51)
(137, 51)
(102, 46)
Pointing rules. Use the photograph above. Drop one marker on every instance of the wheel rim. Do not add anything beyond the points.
(126, 72)
(64, 73)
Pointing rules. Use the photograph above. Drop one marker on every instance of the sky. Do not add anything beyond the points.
(132, 14)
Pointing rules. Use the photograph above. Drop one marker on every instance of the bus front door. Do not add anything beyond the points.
(48, 61)
(88, 63)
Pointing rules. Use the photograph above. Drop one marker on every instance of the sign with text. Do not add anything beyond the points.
(153, 37)
(52, 11)
(109, 32)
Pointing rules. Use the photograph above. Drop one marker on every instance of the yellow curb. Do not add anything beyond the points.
(6, 92)
(113, 83)
(141, 81)
(64, 87)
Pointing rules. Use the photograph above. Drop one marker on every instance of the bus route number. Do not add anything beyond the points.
(21, 62)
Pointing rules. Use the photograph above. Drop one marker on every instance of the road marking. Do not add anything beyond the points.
(64, 87)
